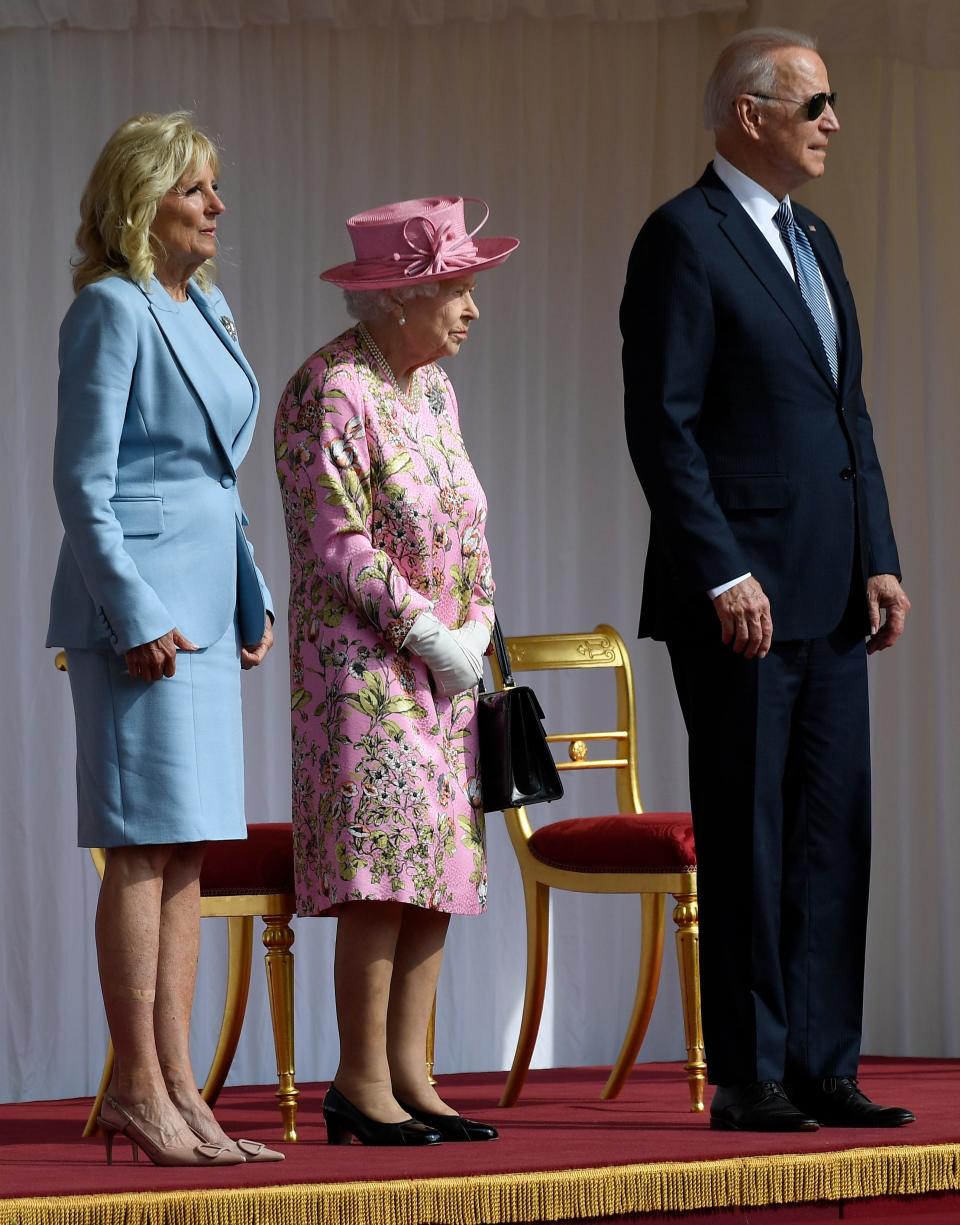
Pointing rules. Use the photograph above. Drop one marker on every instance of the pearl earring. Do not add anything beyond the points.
(402, 321)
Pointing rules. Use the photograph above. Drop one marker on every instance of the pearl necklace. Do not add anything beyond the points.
(409, 400)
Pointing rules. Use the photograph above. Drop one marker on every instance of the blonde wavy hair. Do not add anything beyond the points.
(144, 158)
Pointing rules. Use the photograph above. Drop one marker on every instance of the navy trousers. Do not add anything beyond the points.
(780, 793)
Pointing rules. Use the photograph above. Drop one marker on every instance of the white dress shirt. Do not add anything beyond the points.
(761, 207)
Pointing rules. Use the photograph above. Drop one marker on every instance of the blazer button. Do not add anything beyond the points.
(228, 481)
(847, 474)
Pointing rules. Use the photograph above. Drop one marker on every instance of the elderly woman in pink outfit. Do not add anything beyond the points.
(391, 607)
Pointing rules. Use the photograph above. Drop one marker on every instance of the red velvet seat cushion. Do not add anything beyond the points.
(629, 842)
(260, 863)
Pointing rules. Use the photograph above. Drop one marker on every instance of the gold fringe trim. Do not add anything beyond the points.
(492, 1199)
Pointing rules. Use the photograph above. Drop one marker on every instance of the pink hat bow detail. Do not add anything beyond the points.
(416, 240)
(445, 248)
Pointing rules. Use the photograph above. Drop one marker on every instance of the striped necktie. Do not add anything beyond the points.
(810, 283)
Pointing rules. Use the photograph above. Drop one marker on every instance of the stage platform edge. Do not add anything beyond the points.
(598, 1193)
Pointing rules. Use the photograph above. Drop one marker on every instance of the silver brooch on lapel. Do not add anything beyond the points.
(229, 326)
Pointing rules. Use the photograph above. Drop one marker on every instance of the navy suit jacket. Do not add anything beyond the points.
(145, 474)
(750, 457)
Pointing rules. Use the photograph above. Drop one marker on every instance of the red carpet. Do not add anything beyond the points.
(559, 1125)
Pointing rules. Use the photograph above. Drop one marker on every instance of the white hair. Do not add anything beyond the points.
(746, 66)
(371, 304)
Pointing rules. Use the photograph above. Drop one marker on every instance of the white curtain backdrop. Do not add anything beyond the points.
(573, 119)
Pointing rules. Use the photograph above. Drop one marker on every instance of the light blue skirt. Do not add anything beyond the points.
(159, 762)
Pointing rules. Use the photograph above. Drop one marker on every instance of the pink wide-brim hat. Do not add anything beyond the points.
(416, 241)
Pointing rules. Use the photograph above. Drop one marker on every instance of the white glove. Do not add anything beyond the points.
(454, 664)
(474, 637)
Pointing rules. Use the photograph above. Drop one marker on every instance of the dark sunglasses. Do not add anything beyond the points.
(815, 105)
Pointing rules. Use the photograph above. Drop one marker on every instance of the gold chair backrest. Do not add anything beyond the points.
(601, 648)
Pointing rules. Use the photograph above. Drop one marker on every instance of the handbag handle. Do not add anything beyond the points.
(503, 659)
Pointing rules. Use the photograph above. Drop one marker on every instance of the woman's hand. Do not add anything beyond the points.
(250, 657)
(454, 664)
(475, 636)
(152, 660)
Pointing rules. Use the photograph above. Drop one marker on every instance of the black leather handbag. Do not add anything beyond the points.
(516, 765)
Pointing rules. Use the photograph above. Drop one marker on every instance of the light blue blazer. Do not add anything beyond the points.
(145, 475)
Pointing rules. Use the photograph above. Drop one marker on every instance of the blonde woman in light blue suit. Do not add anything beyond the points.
(157, 601)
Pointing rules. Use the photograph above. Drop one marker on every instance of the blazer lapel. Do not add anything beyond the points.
(755, 251)
(241, 443)
(197, 372)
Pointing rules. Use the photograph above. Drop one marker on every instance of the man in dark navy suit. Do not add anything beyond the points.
(771, 560)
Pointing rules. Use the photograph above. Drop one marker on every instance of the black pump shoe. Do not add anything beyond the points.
(344, 1120)
(453, 1127)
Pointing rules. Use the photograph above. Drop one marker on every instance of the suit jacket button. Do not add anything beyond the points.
(228, 481)
(847, 474)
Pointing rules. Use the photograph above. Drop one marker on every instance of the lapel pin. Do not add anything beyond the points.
(812, 229)
(229, 326)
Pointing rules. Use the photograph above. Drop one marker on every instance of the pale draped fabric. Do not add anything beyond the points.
(573, 119)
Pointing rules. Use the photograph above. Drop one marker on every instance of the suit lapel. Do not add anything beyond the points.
(755, 251)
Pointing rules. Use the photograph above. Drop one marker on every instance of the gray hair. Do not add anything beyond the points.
(374, 304)
(746, 66)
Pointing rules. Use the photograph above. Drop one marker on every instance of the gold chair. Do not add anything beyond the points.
(650, 854)
(240, 880)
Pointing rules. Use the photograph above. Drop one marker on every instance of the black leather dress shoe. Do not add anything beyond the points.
(344, 1120)
(762, 1106)
(452, 1127)
(838, 1101)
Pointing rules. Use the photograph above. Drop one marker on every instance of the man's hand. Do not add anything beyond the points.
(250, 657)
(744, 613)
(884, 591)
(152, 660)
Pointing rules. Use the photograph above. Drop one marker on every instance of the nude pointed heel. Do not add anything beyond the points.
(108, 1133)
(114, 1120)
(109, 1130)
(250, 1150)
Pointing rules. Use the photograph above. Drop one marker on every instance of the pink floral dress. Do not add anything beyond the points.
(385, 520)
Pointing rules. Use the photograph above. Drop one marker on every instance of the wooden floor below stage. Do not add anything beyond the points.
(562, 1155)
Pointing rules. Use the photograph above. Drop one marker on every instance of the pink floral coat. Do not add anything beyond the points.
(385, 520)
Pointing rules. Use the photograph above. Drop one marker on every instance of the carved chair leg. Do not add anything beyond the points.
(537, 899)
(432, 1041)
(278, 941)
(239, 957)
(685, 915)
(90, 1127)
(653, 912)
